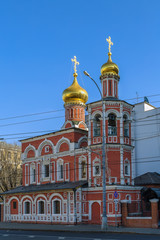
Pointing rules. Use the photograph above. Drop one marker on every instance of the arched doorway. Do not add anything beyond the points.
(96, 219)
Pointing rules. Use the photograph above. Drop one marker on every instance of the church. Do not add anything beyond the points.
(63, 170)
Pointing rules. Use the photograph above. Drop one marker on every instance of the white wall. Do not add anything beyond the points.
(146, 137)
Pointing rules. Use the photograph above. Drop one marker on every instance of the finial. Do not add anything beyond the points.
(75, 63)
(110, 44)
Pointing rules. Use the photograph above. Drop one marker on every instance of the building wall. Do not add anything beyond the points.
(146, 136)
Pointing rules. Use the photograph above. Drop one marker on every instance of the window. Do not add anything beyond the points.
(46, 149)
(60, 169)
(126, 168)
(14, 205)
(112, 129)
(56, 207)
(27, 207)
(126, 126)
(83, 169)
(97, 125)
(96, 167)
(33, 174)
(96, 170)
(41, 207)
(46, 170)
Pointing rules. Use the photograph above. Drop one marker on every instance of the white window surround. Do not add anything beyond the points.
(24, 207)
(38, 207)
(53, 201)
(126, 167)
(46, 149)
(32, 173)
(60, 168)
(96, 163)
(82, 160)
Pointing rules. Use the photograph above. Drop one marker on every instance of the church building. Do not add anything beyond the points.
(62, 170)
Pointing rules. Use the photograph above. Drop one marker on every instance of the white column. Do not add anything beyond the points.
(121, 167)
(121, 124)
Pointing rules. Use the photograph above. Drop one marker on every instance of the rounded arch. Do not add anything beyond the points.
(113, 111)
(127, 114)
(40, 195)
(97, 112)
(81, 140)
(45, 142)
(61, 141)
(55, 195)
(28, 197)
(12, 198)
(29, 148)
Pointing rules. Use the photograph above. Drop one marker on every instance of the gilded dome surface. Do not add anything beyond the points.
(109, 67)
(75, 94)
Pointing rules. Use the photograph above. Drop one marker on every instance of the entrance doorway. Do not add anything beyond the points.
(96, 219)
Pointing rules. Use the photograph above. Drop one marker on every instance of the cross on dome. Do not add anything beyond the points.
(75, 63)
(110, 43)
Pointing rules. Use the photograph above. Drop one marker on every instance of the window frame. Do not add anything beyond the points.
(53, 206)
(40, 213)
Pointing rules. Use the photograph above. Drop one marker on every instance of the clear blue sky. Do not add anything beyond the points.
(39, 37)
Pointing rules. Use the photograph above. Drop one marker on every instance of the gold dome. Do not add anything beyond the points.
(75, 94)
(109, 67)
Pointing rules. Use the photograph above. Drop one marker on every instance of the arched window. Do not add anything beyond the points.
(126, 126)
(27, 207)
(126, 168)
(83, 169)
(56, 207)
(97, 125)
(112, 129)
(41, 207)
(96, 167)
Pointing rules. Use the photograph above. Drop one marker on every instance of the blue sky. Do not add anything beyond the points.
(39, 37)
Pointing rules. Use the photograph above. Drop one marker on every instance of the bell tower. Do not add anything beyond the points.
(74, 98)
(109, 76)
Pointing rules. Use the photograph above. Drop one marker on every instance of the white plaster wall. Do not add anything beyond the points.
(146, 136)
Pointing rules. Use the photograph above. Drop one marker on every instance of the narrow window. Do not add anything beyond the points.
(46, 170)
(14, 205)
(96, 170)
(97, 126)
(56, 207)
(27, 207)
(112, 129)
(41, 207)
(83, 169)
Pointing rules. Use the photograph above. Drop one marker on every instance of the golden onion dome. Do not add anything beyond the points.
(75, 94)
(109, 66)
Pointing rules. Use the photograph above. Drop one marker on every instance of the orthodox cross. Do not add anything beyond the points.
(75, 63)
(110, 43)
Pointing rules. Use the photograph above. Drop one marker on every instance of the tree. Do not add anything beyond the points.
(10, 166)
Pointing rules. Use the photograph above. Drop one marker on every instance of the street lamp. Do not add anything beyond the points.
(104, 217)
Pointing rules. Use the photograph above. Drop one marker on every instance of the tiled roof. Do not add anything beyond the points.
(45, 187)
(147, 178)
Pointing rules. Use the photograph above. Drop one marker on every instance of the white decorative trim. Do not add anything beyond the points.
(81, 140)
(45, 142)
(27, 149)
(61, 141)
